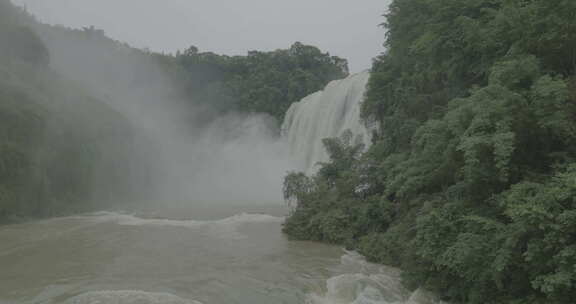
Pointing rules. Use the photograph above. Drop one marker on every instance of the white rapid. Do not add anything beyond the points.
(211, 256)
(361, 282)
(325, 114)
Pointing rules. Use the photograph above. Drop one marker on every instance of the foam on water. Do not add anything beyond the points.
(132, 220)
(224, 228)
(368, 283)
(127, 297)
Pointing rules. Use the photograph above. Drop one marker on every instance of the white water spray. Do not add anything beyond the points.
(325, 114)
(231, 160)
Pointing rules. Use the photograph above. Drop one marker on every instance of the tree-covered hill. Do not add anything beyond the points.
(470, 184)
(260, 82)
(61, 150)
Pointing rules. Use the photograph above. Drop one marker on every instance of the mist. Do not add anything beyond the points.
(235, 159)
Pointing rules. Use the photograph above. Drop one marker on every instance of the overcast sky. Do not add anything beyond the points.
(346, 28)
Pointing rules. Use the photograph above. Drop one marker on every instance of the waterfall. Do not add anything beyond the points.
(325, 114)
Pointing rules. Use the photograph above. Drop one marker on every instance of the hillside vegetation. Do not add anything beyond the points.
(470, 184)
(61, 150)
(260, 82)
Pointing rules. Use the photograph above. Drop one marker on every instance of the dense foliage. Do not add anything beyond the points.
(61, 150)
(262, 82)
(470, 184)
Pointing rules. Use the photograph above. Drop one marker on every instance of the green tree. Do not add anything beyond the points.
(469, 184)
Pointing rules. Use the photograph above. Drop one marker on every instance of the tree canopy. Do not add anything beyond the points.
(260, 82)
(469, 184)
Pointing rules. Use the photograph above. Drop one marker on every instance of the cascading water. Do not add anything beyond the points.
(325, 114)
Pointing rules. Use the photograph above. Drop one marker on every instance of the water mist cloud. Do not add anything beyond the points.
(234, 159)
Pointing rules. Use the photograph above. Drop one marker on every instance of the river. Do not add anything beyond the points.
(184, 255)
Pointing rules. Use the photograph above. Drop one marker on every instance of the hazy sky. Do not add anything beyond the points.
(346, 28)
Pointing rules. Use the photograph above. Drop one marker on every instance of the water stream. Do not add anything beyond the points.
(214, 255)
